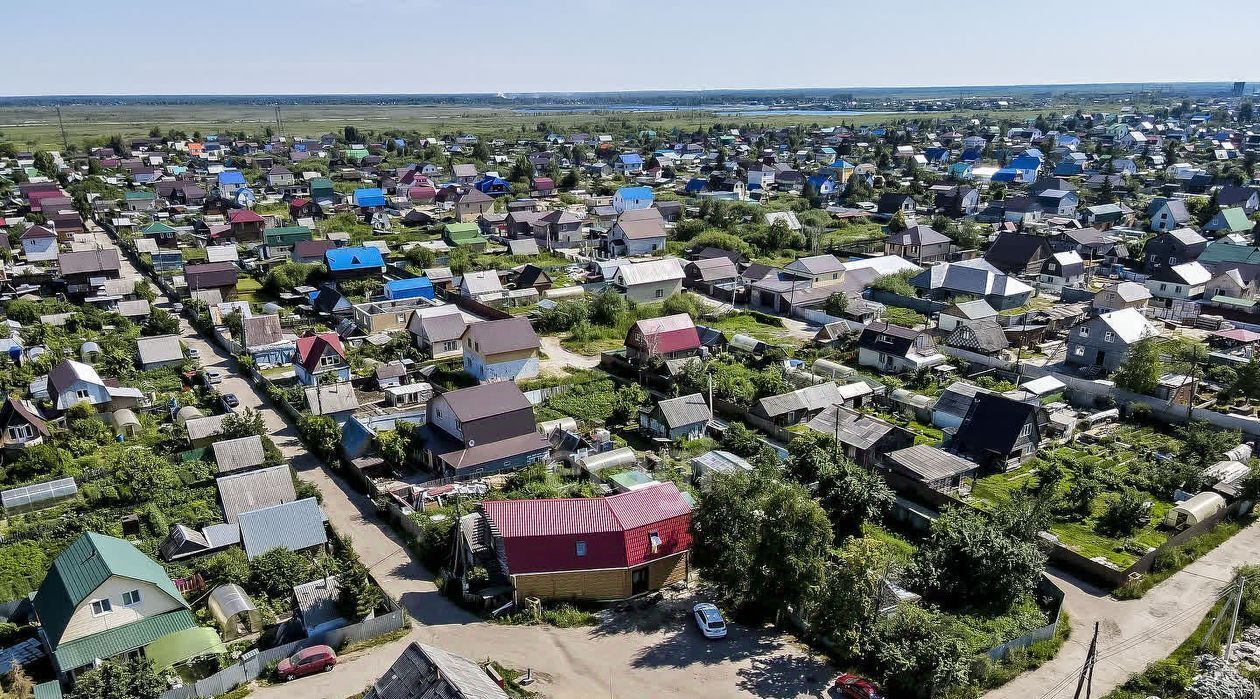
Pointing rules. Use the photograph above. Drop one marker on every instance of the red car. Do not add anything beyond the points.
(307, 661)
(854, 687)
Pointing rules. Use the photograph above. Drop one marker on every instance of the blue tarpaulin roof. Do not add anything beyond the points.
(371, 196)
(409, 288)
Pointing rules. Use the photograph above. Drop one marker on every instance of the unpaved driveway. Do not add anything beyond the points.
(559, 359)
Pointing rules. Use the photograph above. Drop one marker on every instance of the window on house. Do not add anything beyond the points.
(1079, 352)
(20, 432)
(83, 394)
(131, 598)
(1163, 287)
(660, 293)
(581, 548)
(101, 607)
(1110, 336)
(1172, 260)
(329, 360)
(1084, 331)
(449, 346)
(1026, 430)
(655, 539)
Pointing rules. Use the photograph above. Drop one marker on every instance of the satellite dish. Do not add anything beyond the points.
(472, 442)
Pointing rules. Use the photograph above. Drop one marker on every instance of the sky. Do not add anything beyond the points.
(80, 47)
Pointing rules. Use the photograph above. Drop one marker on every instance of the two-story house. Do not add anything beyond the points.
(1187, 280)
(71, 382)
(21, 425)
(632, 199)
(1171, 248)
(1105, 340)
(1019, 253)
(102, 598)
(501, 350)
(1000, 433)
(319, 355)
(821, 270)
(39, 244)
(606, 548)
(1167, 214)
(482, 430)
(1062, 269)
(893, 349)
(636, 232)
(919, 244)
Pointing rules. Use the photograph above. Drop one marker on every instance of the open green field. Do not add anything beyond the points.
(36, 127)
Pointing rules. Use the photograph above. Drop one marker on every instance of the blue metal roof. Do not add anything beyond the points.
(1006, 174)
(630, 158)
(353, 258)
(370, 196)
(409, 288)
(231, 177)
(635, 192)
(696, 184)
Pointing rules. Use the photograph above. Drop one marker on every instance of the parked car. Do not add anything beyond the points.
(194, 353)
(307, 661)
(709, 620)
(854, 687)
(213, 376)
(229, 402)
(177, 308)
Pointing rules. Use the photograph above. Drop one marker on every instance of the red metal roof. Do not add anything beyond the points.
(543, 535)
(311, 347)
(244, 216)
(674, 333)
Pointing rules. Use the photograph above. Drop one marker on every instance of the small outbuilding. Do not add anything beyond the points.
(1197, 509)
(233, 611)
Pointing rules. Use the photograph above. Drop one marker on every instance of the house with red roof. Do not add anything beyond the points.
(319, 354)
(246, 225)
(607, 548)
(667, 337)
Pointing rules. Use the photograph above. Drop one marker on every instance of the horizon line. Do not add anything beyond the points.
(526, 93)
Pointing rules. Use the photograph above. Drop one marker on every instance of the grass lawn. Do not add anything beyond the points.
(1081, 536)
(247, 289)
(749, 325)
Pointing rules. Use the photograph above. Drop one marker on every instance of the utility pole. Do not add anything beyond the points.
(65, 143)
(1233, 622)
(1087, 670)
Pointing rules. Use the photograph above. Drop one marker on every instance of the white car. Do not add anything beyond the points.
(709, 620)
(194, 353)
(214, 376)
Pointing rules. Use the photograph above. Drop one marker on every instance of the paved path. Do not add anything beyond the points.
(654, 654)
(1135, 633)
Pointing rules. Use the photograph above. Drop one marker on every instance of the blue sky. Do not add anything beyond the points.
(436, 46)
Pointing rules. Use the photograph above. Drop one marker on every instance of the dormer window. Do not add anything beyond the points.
(329, 360)
(101, 607)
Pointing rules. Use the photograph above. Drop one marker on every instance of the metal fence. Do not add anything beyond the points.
(244, 671)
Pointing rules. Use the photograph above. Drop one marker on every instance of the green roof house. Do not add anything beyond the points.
(285, 236)
(322, 189)
(1231, 220)
(465, 235)
(158, 230)
(356, 154)
(103, 598)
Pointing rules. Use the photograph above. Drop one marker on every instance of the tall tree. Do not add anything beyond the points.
(762, 539)
(1140, 372)
(967, 560)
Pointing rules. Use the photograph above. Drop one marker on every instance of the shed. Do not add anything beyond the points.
(616, 458)
(186, 413)
(1195, 510)
(126, 424)
(234, 612)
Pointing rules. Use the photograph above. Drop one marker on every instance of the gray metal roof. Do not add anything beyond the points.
(850, 427)
(425, 671)
(163, 348)
(684, 410)
(241, 453)
(814, 397)
(254, 490)
(294, 525)
(202, 427)
(317, 601)
(930, 463)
